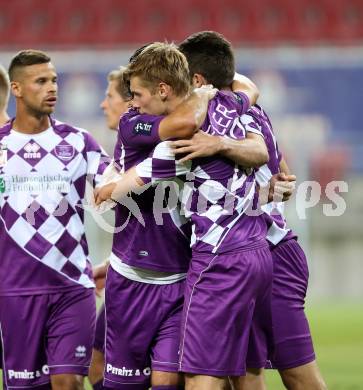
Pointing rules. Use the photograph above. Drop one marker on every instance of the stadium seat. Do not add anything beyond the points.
(39, 23)
(349, 26)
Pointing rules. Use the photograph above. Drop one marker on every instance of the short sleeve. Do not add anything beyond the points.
(161, 165)
(244, 101)
(137, 130)
(97, 160)
(251, 124)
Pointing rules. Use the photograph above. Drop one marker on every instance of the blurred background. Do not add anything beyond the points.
(306, 56)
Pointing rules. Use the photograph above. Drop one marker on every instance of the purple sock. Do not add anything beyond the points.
(99, 385)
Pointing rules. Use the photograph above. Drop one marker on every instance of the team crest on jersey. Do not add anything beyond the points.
(32, 151)
(64, 151)
(143, 128)
(3, 155)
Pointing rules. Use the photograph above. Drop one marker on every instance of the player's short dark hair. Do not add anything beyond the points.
(210, 54)
(26, 58)
(4, 88)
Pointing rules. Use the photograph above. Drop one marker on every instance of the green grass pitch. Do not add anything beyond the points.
(338, 337)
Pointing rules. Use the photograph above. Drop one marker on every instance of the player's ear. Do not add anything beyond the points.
(15, 88)
(164, 91)
(198, 80)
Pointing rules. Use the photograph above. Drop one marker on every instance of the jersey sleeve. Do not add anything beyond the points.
(251, 124)
(162, 165)
(97, 160)
(243, 100)
(137, 130)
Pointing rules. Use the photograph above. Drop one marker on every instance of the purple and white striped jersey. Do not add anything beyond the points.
(163, 243)
(217, 192)
(42, 186)
(277, 230)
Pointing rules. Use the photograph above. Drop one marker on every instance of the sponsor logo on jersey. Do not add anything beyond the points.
(64, 152)
(143, 128)
(32, 151)
(144, 253)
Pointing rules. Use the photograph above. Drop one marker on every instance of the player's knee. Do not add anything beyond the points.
(253, 380)
(205, 382)
(296, 380)
(67, 382)
(166, 380)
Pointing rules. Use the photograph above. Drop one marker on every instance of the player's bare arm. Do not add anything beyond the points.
(249, 152)
(243, 84)
(189, 115)
(115, 191)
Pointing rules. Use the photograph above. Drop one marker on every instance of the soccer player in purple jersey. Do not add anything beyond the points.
(159, 248)
(4, 117)
(4, 96)
(47, 300)
(292, 350)
(145, 280)
(292, 353)
(116, 102)
(225, 245)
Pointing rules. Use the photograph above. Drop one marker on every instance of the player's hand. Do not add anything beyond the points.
(99, 276)
(207, 91)
(200, 145)
(104, 193)
(281, 188)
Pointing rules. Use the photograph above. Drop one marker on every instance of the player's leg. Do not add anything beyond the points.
(22, 332)
(260, 336)
(220, 293)
(98, 359)
(70, 335)
(165, 347)
(67, 382)
(307, 376)
(293, 355)
(205, 382)
(96, 370)
(133, 316)
(162, 380)
(254, 380)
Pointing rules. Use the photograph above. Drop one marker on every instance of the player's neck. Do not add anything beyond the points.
(30, 124)
(173, 103)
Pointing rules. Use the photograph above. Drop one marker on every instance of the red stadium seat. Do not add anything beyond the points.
(349, 26)
(75, 22)
(236, 20)
(40, 23)
(315, 21)
(116, 23)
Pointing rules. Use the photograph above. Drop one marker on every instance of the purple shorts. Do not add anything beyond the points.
(292, 341)
(99, 343)
(223, 294)
(46, 334)
(142, 330)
